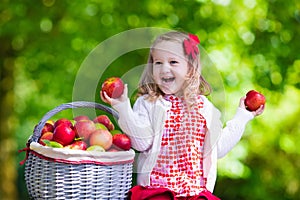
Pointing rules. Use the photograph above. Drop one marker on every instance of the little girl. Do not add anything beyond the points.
(176, 129)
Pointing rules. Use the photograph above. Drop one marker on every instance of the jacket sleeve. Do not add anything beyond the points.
(135, 122)
(233, 131)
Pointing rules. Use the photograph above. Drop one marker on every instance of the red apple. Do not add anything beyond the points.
(62, 121)
(64, 134)
(104, 119)
(47, 128)
(254, 100)
(77, 145)
(84, 128)
(75, 131)
(113, 87)
(81, 117)
(122, 141)
(45, 136)
(102, 138)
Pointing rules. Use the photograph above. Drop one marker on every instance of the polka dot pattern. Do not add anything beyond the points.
(179, 165)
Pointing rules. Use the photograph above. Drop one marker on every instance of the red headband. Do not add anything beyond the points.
(190, 45)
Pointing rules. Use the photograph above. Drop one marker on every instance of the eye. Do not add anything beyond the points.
(157, 63)
(173, 62)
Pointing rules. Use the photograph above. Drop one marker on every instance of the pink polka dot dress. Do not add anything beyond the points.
(179, 165)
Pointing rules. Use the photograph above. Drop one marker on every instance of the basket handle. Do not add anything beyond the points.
(77, 104)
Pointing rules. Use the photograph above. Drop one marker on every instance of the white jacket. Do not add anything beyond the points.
(145, 122)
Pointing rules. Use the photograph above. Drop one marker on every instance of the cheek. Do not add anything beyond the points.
(183, 74)
(155, 73)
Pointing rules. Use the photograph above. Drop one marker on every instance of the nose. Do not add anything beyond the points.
(166, 67)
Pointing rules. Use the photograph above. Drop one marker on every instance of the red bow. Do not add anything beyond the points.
(190, 45)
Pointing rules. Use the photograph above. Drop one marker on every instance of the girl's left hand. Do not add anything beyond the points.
(257, 112)
(105, 98)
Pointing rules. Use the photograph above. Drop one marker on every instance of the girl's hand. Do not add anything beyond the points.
(105, 98)
(257, 112)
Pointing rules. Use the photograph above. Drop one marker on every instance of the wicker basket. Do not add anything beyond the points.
(54, 173)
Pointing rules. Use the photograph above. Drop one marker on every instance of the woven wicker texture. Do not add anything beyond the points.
(48, 179)
(52, 180)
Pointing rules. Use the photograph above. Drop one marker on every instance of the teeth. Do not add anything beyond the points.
(168, 79)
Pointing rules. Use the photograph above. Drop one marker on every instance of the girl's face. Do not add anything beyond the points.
(170, 67)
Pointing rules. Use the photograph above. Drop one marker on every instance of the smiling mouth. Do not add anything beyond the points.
(168, 80)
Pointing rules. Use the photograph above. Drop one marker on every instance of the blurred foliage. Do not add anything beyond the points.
(254, 44)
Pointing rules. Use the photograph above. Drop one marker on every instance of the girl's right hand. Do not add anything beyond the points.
(112, 101)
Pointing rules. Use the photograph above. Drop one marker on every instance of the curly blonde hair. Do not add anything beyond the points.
(195, 83)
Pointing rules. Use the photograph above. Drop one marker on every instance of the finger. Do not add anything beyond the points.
(260, 110)
(106, 98)
(102, 97)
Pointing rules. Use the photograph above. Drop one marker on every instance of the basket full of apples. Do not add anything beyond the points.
(79, 158)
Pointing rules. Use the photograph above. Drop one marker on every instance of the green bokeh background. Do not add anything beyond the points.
(254, 44)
